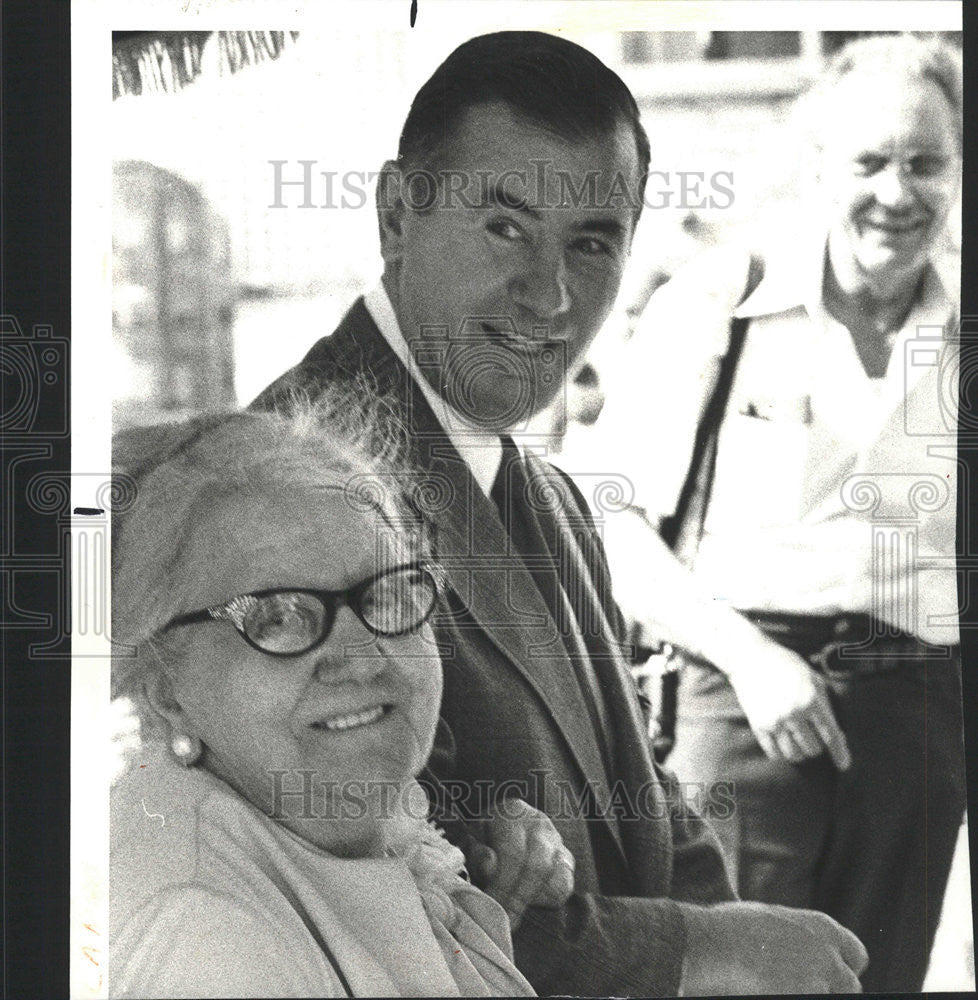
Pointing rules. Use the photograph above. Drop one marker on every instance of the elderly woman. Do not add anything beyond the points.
(818, 628)
(270, 838)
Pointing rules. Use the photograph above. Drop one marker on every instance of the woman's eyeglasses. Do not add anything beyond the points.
(291, 622)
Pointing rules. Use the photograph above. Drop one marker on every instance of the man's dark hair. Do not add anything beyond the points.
(548, 80)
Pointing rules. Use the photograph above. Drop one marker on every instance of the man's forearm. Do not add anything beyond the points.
(657, 591)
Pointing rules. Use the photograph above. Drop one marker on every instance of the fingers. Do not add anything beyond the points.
(510, 844)
(537, 865)
(853, 951)
(794, 741)
(532, 865)
(768, 745)
(815, 732)
(482, 864)
(558, 888)
(850, 949)
(534, 885)
(807, 735)
(843, 980)
(787, 705)
(787, 747)
(850, 963)
(832, 738)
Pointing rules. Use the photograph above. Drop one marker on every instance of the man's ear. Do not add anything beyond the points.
(391, 212)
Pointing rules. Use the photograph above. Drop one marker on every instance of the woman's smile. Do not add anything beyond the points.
(353, 720)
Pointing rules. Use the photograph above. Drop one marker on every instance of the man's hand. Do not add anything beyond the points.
(751, 948)
(785, 701)
(522, 860)
(787, 705)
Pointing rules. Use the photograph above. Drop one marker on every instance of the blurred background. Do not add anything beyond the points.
(213, 260)
(243, 223)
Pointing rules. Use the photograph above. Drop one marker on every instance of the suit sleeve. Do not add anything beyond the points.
(596, 945)
(627, 945)
(699, 873)
(603, 946)
(624, 945)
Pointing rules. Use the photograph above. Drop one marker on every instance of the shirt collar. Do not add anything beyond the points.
(793, 279)
(481, 449)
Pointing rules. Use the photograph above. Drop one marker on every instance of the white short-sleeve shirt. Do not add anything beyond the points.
(833, 492)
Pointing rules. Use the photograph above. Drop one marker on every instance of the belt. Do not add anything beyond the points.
(847, 644)
(836, 645)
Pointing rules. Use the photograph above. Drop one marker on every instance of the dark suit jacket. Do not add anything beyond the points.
(518, 718)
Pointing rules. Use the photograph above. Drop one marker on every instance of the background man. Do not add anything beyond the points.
(832, 701)
(505, 224)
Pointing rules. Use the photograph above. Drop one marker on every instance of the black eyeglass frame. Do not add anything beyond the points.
(233, 611)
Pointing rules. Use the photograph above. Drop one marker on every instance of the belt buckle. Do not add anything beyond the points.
(857, 667)
(842, 629)
(820, 659)
(662, 660)
(672, 658)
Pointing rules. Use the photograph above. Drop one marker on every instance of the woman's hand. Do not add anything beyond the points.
(521, 860)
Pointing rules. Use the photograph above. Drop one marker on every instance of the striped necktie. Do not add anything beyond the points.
(533, 533)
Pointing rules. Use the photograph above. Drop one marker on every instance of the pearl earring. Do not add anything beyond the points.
(186, 749)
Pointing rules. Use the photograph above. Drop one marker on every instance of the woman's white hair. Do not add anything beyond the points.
(912, 58)
(169, 473)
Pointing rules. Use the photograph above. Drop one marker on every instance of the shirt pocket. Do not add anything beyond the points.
(762, 459)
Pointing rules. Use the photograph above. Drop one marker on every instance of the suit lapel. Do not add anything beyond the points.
(473, 547)
(501, 596)
(595, 639)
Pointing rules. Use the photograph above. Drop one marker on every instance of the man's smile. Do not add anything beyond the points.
(526, 342)
(898, 227)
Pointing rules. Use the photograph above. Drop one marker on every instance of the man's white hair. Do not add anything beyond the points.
(907, 58)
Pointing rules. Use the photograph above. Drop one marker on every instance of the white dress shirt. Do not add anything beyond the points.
(834, 492)
(481, 449)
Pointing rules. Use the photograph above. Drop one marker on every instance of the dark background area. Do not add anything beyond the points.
(968, 429)
(35, 215)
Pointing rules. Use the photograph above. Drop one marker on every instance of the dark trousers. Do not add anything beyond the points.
(872, 847)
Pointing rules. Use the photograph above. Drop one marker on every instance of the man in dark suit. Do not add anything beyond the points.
(505, 223)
